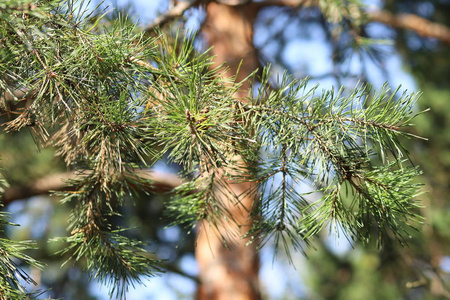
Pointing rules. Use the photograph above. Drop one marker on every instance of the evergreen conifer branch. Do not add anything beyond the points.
(330, 142)
(13, 279)
(113, 101)
(109, 256)
(91, 82)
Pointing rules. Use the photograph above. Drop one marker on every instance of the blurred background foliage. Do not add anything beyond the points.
(302, 42)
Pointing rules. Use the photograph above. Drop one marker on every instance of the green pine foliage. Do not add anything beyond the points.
(114, 101)
(13, 279)
(330, 141)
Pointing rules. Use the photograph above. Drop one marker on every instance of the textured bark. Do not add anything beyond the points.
(229, 29)
(230, 273)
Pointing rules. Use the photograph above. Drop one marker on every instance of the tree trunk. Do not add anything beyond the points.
(230, 273)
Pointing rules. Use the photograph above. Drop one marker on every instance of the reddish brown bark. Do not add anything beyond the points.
(230, 273)
(421, 26)
(229, 29)
(161, 183)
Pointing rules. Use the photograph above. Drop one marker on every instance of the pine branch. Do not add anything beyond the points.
(119, 101)
(110, 256)
(330, 140)
(12, 277)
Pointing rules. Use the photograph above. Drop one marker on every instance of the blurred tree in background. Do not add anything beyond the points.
(335, 43)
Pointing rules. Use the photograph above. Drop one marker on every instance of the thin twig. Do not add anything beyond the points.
(173, 13)
(170, 267)
(421, 26)
(287, 3)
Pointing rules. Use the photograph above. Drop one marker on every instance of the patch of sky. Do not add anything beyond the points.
(311, 56)
(445, 264)
(390, 59)
(337, 242)
(42, 210)
(188, 265)
(18, 216)
(399, 76)
(195, 18)
(156, 288)
(269, 22)
(393, 73)
(382, 32)
(371, 4)
(170, 234)
(425, 9)
(170, 286)
(273, 275)
(33, 214)
(145, 10)
(162, 166)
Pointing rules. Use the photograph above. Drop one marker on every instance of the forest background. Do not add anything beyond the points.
(398, 45)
